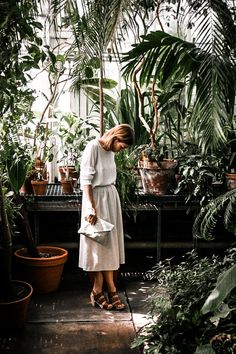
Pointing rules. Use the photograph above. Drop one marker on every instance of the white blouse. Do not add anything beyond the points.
(98, 166)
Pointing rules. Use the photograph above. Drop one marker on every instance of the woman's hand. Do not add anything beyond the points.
(91, 216)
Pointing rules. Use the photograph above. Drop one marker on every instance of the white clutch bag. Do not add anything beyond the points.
(98, 232)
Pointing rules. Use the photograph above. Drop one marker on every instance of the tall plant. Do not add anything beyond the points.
(93, 24)
(20, 51)
(206, 66)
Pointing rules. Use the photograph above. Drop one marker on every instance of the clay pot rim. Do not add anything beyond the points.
(62, 253)
(38, 181)
(27, 285)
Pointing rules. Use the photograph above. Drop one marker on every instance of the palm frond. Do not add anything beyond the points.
(205, 222)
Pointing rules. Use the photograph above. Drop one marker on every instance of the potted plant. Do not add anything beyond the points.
(156, 163)
(39, 177)
(199, 175)
(17, 32)
(41, 266)
(73, 132)
(15, 295)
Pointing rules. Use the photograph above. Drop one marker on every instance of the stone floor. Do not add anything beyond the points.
(65, 322)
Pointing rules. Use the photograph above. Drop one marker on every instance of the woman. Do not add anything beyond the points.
(101, 200)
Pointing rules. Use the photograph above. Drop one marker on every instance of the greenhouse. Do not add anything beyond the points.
(117, 176)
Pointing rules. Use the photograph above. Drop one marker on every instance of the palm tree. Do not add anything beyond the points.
(94, 24)
(99, 27)
(206, 66)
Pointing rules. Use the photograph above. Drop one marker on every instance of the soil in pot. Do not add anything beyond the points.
(14, 309)
(44, 273)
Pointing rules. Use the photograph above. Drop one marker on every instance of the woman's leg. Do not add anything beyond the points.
(98, 282)
(97, 297)
(111, 288)
(109, 279)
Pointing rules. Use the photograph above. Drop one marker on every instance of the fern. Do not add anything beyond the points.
(223, 206)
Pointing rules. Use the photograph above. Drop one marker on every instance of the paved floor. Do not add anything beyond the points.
(65, 322)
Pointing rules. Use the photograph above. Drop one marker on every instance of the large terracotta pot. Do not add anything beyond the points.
(157, 178)
(13, 313)
(44, 273)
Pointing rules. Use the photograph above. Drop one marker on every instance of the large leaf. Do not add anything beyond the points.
(17, 173)
(205, 349)
(107, 83)
(225, 283)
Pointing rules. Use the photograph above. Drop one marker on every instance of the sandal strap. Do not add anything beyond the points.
(115, 301)
(101, 301)
(100, 298)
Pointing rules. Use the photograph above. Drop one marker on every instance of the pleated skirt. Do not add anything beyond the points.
(92, 255)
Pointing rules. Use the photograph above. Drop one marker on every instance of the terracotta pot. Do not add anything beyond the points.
(230, 180)
(39, 187)
(68, 186)
(14, 313)
(157, 178)
(44, 273)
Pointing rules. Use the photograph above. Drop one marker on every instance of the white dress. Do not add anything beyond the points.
(98, 169)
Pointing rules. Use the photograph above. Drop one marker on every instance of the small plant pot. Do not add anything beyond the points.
(14, 312)
(230, 180)
(44, 273)
(39, 187)
(68, 186)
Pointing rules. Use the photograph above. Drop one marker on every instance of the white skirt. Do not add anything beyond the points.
(92, 255)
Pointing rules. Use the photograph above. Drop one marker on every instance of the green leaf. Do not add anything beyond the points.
(225, 283)
(95, 62)
(205, 349)
(88, 72)
(17, 174)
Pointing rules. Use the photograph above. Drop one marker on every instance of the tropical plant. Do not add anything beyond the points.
(185, 313)
(223, 207)
(126, 180)
(204, 67)
(99, 29)
(74, 132)
(20, 52)
(93, 31)
(197, 173)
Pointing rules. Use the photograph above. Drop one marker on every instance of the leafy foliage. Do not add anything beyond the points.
(126, 179)
(224, 206)
(197, 173)
(179, 320)
(206, 67)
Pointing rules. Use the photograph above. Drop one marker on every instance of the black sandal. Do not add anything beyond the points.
(114, 299)
(100, 300)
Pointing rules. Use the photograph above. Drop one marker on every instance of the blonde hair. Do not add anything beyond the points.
(121, 132)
